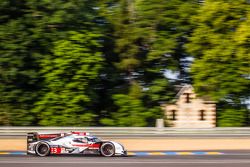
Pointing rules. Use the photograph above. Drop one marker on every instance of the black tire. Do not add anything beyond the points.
(107, 150)
(42, 149)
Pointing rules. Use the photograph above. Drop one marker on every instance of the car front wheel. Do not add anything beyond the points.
(107, 149)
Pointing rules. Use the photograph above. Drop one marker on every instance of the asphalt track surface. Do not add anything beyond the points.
(228, 159)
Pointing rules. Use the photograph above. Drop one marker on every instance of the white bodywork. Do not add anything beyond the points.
(119, 149)
(68, 145)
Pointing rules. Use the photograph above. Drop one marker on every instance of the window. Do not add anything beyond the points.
(202, 115)
(94, 139)
(187, 97)
(63, 138)
(173, 115)
(80, 140)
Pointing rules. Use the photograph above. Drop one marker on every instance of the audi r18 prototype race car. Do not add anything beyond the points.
(71, 143)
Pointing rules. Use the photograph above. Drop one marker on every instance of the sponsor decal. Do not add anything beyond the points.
(68, 150)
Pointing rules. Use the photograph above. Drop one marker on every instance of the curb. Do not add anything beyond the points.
(174, 153)
(139, 153)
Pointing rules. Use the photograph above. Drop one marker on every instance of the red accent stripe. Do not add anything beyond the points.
(80, 133)
(80, 145)
(87, 145)
(47, 136)
(94, 145)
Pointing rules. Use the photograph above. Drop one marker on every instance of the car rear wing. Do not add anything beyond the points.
(34, 136)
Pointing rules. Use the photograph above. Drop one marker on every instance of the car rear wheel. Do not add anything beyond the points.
(107, 149)
(42, 149)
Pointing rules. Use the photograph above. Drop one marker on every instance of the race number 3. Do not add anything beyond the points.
(55, 150)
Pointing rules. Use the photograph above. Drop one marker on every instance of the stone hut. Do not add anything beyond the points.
(190, 111)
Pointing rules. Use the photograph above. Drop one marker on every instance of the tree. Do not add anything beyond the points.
(148, 38)
(69, 75)
(19, 81)
(164, 29)
(130, 109)
(220, 44)
(28, 32)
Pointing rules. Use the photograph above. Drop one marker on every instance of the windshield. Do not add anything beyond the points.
(94, 139)
(58, 138)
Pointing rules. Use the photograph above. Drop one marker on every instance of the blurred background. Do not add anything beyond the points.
(118, 62)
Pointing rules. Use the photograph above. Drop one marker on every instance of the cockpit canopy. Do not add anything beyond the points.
(78, 138)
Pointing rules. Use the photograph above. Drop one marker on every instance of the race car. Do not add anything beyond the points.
(44, 144)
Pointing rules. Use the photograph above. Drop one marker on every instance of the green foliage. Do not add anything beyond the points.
(89, 62)
(222, 59)
(69, 74)
(220, 44)
(231, 117)
(27, 32)
(148, 37)
(131, 111)
(18, 66)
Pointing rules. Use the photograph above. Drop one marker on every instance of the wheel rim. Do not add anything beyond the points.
(108, 150)
(42, 149)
